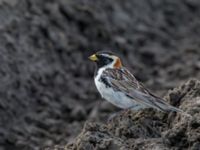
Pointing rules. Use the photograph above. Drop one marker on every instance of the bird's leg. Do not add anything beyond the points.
(113, 115)
(125, 111)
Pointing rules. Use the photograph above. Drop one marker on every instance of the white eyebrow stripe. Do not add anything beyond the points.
(114, 57)
(106, 55)
(110, 56)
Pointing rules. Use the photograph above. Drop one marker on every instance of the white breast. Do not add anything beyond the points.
(116, 98)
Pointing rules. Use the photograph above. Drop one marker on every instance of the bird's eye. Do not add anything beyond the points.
(103, 60)
(108, 60)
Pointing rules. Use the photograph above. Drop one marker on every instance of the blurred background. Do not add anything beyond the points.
(47, 90)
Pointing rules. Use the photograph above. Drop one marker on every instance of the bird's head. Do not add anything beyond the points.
(106, 60)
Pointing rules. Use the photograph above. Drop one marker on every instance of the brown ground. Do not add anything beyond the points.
(46, 87)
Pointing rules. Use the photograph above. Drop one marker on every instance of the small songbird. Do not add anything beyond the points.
(117, 85)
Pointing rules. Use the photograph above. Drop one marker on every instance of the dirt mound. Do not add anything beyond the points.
(148, 129)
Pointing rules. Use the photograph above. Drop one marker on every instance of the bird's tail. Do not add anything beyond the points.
(150, 100)
(164, 106)
(167, 107)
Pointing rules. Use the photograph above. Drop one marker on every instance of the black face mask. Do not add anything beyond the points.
(103, 61)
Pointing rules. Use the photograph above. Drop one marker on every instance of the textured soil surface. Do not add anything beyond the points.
(148, 129)
(46, 82)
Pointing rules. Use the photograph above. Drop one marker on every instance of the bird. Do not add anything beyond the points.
(118, 85)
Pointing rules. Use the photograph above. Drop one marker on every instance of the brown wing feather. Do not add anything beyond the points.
(122, 77)
(122, 80)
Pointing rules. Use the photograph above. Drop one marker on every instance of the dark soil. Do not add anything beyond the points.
(46, 82)
(148, 129)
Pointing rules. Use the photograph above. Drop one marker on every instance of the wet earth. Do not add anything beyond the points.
(47, 93)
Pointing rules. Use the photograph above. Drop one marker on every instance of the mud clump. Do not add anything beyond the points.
(148, 129)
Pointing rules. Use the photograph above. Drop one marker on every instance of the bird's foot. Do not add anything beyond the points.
(114, 115)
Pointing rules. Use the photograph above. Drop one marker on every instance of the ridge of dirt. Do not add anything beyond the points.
(148, 129)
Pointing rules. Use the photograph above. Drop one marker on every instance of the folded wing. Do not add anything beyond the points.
(122, 80)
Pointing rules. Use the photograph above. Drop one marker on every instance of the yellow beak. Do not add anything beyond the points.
(93, 57)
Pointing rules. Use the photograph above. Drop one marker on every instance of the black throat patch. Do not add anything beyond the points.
(102, 79)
